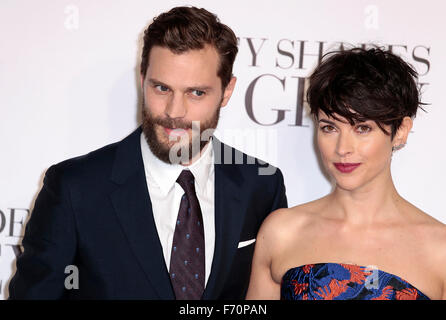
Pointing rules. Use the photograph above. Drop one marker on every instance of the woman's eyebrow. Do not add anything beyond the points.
(327, 121)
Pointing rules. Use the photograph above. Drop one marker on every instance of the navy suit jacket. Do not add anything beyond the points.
(94, 212)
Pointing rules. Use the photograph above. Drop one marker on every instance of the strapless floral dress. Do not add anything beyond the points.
(337, 281)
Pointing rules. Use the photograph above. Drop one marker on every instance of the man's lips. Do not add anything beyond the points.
(346, 167)
(176, 132)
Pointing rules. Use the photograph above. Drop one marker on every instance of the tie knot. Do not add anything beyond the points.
(186, 181)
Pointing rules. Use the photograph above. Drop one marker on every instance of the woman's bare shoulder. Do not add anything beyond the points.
(435, 244)
(426, 223)
(432, 235)
(286, 222)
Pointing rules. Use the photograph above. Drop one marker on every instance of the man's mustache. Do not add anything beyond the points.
(173, 123)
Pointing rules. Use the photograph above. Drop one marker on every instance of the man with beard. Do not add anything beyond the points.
(169, 212)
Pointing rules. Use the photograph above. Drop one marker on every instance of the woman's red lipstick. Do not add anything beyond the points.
(346, 167)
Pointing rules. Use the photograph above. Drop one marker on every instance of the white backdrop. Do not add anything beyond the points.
(69, 85)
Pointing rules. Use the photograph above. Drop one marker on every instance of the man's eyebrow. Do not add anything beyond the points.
(157, 82)
(199, 88)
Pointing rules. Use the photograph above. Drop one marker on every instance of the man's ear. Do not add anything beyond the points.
(228, 91)
(403, 132)
(142, 81)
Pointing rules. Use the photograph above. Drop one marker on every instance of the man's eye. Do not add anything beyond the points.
(198, 93)
(161, 88)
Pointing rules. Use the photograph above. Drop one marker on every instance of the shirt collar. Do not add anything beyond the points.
(165, 175)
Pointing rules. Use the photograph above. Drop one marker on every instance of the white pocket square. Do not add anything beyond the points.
(242, 244)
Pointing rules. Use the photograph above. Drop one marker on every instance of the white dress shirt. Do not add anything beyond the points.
(165, 195)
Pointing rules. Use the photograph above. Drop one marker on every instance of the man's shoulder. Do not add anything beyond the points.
(95, 163)
(93, 158)
(227, 155)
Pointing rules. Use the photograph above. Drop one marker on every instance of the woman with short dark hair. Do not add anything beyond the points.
(363, 240)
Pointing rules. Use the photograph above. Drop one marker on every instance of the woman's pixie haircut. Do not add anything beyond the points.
(359, 85)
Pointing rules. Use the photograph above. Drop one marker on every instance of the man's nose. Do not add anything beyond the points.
(176, 107)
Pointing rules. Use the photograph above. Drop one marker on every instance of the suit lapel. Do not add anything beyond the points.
(229, 217)
(133, 208)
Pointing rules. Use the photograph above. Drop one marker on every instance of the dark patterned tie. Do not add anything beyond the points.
(187, 260)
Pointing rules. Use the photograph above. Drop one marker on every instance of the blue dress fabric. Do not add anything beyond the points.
(337, 281)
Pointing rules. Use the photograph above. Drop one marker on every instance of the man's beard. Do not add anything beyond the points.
(162, 150)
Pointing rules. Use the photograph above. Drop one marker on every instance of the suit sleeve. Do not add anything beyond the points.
(49, 244)
(280, 200)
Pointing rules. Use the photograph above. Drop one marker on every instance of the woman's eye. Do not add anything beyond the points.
(198, 93)
(328, 129)
(363, 129)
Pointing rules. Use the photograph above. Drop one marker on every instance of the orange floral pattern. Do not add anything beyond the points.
(407, 294)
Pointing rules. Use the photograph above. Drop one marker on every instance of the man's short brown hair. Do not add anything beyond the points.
(189, 28)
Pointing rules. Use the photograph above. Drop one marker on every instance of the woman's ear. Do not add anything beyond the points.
(401, 135)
